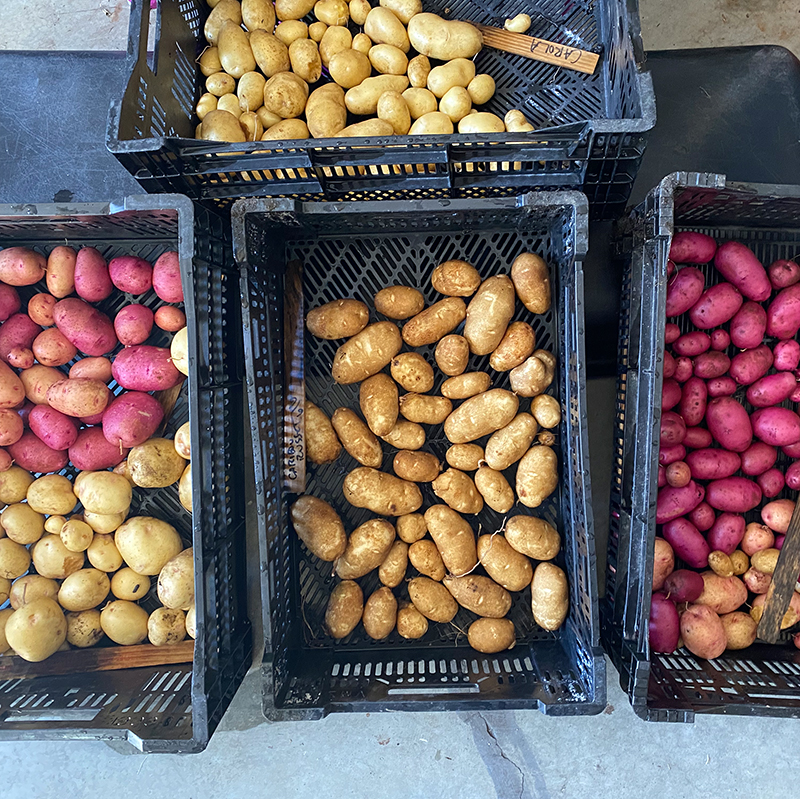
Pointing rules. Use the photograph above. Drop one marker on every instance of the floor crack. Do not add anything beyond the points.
(491, 734)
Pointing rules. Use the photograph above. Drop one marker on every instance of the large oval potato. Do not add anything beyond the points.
(383, 27)
(83, 590)
(270, 53)
(366, 353)
(345, 608)
(285, 94)
(78, 396)
(454, 538)
(465, 457)
(424, 408)
(494, 489)
(432, 599)
(452, 354)
(478, 416)
(420, 101)
(412, 372)
(222, 11)
(367, 548)
(379, 401)
(325, 112)
(510, 443)
(335, 39)
(357, 438)
(52, 559)
(411, 624)
(30, 587)
(488, 314)
(442, 39)
(455, 279)
(503, 563)
(104, 492)
(393, 569)
(380, 492)
(531, 280)
(380, 614)
(322, 444)
(399, 302)
(36, 630)
(428, 326)
(147, 544)
(537, 476)
(549, 596)
(466, 385)
(459, 491)
(305, 59)
(416, 467)
(411, 527)
(235, 54)
(532, 536)
(388, 59)
(337, 319)
(405, 435)
(362, 100)
(425, 558)
(480, 594)
(319, 527)
(103, 553)
(155, 464)
(491, 635)
(517, 344)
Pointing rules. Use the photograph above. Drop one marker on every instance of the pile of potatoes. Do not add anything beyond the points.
(333, 69)
(493, 442)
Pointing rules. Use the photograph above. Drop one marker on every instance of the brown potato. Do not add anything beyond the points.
(411, 623)
(412, 372)
(465, 457)
(454, 538)
(459, 491)
(322, 445)
(517, 344)
(366, 353)
(380, 614)
(405, 435)
(319, 527)
(14, 482)
(537, 476)
(337, 319)
(533, 376)
(546, 410)
(481, 415)
(491, 635)
(740, 629)
(380, 492)
(509, 444)
(456, 279)
(379, 403)
(428, 326)
(357, 438)
(271, 54)
(345, 608)
(467, 385)
(425, 558)
(531, 280)
(481, 595)
(399, 302)
(411, 527)
(258, 15)
(494, 488)
(503, 563)
(549, 596)
(393, 569)
(367, 548)
(533, 537)
(432, 599)
(424, 408)
(452, 354)
(418, 467)
(488, 314)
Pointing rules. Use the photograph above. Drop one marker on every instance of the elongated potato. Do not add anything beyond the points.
(383, 27)
(322, 445)
(357, 438)
(235, 53)
(455, 279)
(509, 444)
(458, 490)
(503, 563)
(531, 280)
(419, 68)
(380, 614)
(480, 594)
(454, 538)
(466, 457)
(412, 372)
(491, 635)
(379, 403)
(488, 314)
(435, 37)
(380, 492)
(537, 476)
(481, 415)
(466, 385)
(411, 623)
(532, 536)
(428, 326)
(362, 100)
(393, 569)
(424, 408)
(405, 435)
(425, 558)
(319, 527)
(367, 548)
(452, 354)
(345, 608)
(416, 467)
(366, 353)
(549, 596)
(494, 489)
(399, 302)
(337, 319)
(411, 527)
(517, 344)
(432, 599)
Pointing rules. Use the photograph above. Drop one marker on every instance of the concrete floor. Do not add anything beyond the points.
(505, 755)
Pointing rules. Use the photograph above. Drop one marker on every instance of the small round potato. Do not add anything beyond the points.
(380, 614)
(357, 438)
(271, 54)
(399, 302)
(124, 622)
(549, 596)
(367, 548)
(392, 108)
(84, 629)
(363, 44)
(465, 457)
(532, 377)
(206, 103)
(494, 488)
(285, 94)
(533, 537)
(419, 68)
(453, 537)
(425, 558)
(52, 559)
(130, 585)
(455, 279)
(411, 527)
(517, 344)
(420, 101)
(467, 385)
(379, 402)
(345, 608)
(509, 444)
(22, 523)
(83, 590)
(147, 544)
(229, 103)
(380, 492)
(219, 84)
(740, 629)
(418, 467)
(491, 635)
(30, 587)
(316, 30)
(432, 599)
(76, 535)
(740, 562)
(393, 569)
(452, 354)
(322, 445)
(412, 372)
(53, 524)
(36, 630)
(405, 435)
(291, 30)
(503, 563)
(411, 624)
(480, 594)
(209, 62)
(481, 89)
(176, 581)
(14, 484)
(154, 464)
(456, 103)
(319, 527)
(488, 314)
(166, 626)
(531, 279)
(103, 553)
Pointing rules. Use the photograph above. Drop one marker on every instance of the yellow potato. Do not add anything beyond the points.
(533, 537)
(425, 558)
(363, 44)
(359, 10)
(362, 100)
(176, 581)
(147, 544)
(130, 585)
(235, 53)
(405, 435)
(740, 561)
(503, 563)
(223, 11)
(456, 103)
(191, 622)
(319, 527)
(369, 127)
(481, 89)
(442, 39)
(251, 125)
(287, 129)
(84, 628)
(83, 590)
(403, 9)
(393, 569)
(417, 467)
(345, 608)
(291, 30)
(388, 59)
(411, 527)
(720, 563)
(479, 594)
(466, 385)
(546, 410)
(549, 596)
(76, 535)
(531, 279)
(316, 30)
(380, 492)
(482, 122)
(267, 118)
(478, 416)
(103, 553)
(154, 464)
(250, 91)
(206, 103)
(419, 68)
(432, 599)
(5, 614)
(258, 15)
(36, 630)
(458, 72)
(431, 124)
(488, 314)
(367, 548)
(420, 102)
(31, 587)
(179, 346)
(509, 444)
(392, 108)
(515, 121)
(453, 537)
(357, 438)
(332, 12)
(465, 457)
(104, 522)
(379, 403)
(458, 490)
(22, 524)
(221, 125)
(293, 9)
(124, 622)
(209, 62)
(285, 94)
(537, 476)
(166, 626)
(411, 623)
(430, 325)
(383, 27)
(305, 60)
(452, 354)
(270, 53)
(380, 614)
(366, 353)
(14, 484)
(455, 278)
(494, 489)
(52, 559)
(335, 40)
(517, 344)
(740, 629)
(5, 589)
(765, 560)
(230, 103)
(491, 635)
(52, 524)
(107, 492)
(399, 302)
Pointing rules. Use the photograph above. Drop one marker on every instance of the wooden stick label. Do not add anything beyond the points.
(294, 405)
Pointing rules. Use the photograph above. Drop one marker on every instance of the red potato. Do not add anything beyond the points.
(95, 418)
(669, 366)
(664, 624)
(37, 381)
(771, 390)
(729, 424)
(671, 453)
(92, 452)
(693, 343)
(663, 562)
(720, 340)
(92, 368)
(772, 482)
(711, 364)
(133, 324)
(662, 476)
(795, 395)
(18, 331)
(783, 273)
(145, 368)
(783, 313)
(131, 274)
(733, 494)
(692, 248)
(726, 533)
(90, 330)
(687, 542)
(32, 454)
(20, 358)
(703, 517)
(61, 271)
(777, 427)
(739, 266)
(748, 366)
(792, 477)
(11, 427)
(167, 277)
(52, 348)
(673, 428)
(717, 305)
(713, 464)
(670, 267)
(132, 418)
(786, 355)
(702, 632)
(748, 326)
(683, 369)
(683, 586)
(757, 458)
(9, 301)
(40, 309)
(791, 450)
(670, 394)
(756, 581)
(5, 461)
(762, 536)
(92, 281)
(721, 387)
(170, 318)
(675, 502)
(678, 474)
(20, 266)
(697, 438)
(78, 396)
(54, 428)
(684, 289)
(722, 594)
(671, 332)
(779, 539)
(694, 398)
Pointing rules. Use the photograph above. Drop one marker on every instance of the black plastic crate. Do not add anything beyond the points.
(763, 680)
(170, 708)
(595, 125)
(352, 250)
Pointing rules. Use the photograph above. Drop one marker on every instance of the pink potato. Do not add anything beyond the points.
(678, 474)
(776, 426)
(729, 424)
(92, 281)
(664, 624)
(40, 309)
(93, 368)
(779, 539)
(683, 290)
(21, 358)
(10, 302)
(726, 533)
(54, 428)
(18, 331)
(739, 266)
(20, 266)
(170, 318)
(683, 369)
(772, 482)
(12, 389)
(37, 381)
(133, 324)
(748, 326)
(721, 387)
(720, 340)
(32, 454)
(662, 476)
(5, 461)
(687, 542)
(795, 395)
(670, 267)
(692, 248)
(132, 418)
(92, 452)
(95, 418)
(52, 348)
(663, 562)
(11, 427)
(703, 517)
(90, 330)
(702, 632)
(670, 394)
(684, 586)
(673, 428)
(697, 438)
(61, 271)
(762, 536)
(783, 313)
(792, 450)
(713, 464)
(716, 305)
(78, 396)
(145, 368)
(131, 274)
(734, 494)
(711, 364)
(693, 343)
(793, 476)
(750, 365)
(756, 581)
(670, 453)
(167, 277)
(783, 273)
(694, 397)
(669, 365)
(786, 355)
(771, 390)
(757, 458)
(722, 594)
(671, 332)
(674, 502)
